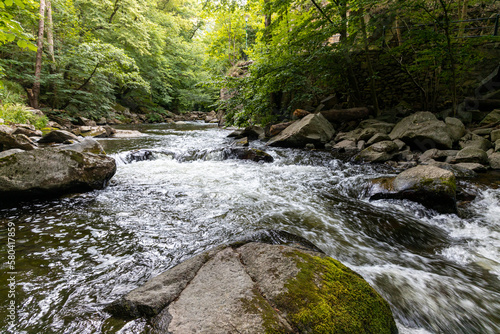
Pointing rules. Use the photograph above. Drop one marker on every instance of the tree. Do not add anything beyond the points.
(34, 93)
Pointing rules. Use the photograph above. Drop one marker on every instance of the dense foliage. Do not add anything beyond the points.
(140, 54)
(267, 57)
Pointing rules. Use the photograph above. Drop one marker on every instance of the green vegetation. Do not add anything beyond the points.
(266, 57)
(19, 114)
(342, 303)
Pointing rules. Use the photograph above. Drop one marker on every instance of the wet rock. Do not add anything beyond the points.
(346, 146)
(378, 137)
(464, 170)
(52, 171)
(242, 142)
(456, 129)
(492, 117)
(314, 129)
(253, 132)
(471, 154)
(438, 155)
(495, 135)
(88, 145)
(378, 152)
(59, 136)
(253, 287)
(310, 146)
(495, 160)
(474, 141)
(422, 131)
(139, 155)
(127, 134)
(431, 186)
(247, 154)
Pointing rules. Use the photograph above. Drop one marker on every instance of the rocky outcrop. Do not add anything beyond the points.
(59, 136)
(423, 131)
(52, 171)
(378, 152)
(430, 186)
(492, 118)
(254, 287)
(312, 129)
(9, 140)
(88, 145)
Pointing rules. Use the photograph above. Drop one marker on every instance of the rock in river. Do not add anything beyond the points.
(52, 171)
(253, 287)
(312, 129)
(428, 185)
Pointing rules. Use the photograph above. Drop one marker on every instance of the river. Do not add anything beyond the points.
(440, 273)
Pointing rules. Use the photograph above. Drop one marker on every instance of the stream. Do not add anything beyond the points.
(440, 273)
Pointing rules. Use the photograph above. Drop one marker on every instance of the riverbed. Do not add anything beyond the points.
(440, 273)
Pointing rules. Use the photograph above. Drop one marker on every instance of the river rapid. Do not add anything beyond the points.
(440, 273)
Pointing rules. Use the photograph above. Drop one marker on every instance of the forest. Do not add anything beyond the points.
(264, 58)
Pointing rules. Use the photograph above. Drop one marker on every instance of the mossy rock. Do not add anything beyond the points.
(254, 287)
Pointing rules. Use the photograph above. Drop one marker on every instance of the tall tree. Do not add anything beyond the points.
(34, 93)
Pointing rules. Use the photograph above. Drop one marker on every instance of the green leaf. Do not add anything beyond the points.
(19, 3)
(2, 5)
(9, 3)
(22, 44)
(10, 37)
(32, 47)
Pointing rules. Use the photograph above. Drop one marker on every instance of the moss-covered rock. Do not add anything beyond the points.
(254, 287)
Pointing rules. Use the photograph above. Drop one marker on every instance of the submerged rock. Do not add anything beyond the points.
(247, 154)
(431, 186)
(312, 129)
(52, 171)
(253, 287)
(423, 131)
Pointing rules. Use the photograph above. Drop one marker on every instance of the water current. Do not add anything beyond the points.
(439, 273)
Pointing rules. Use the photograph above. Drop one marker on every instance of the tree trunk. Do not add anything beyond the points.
(373, 90)
(50, 34)
(346, 115)
(35, 92)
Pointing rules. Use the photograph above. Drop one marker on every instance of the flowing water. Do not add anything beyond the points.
(440, 273)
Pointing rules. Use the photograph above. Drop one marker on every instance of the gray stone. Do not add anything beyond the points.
(464, 170)
(253, 287)
(380, 126)
(9, 140)
(310, 146)
(243, 153)
(346, 146)
(456, 129)
(88, 145)
(471, 154)
(378, 138)
(483, 132)
(492, 117)
(401, 144)
(58, 136)
(4, 154)
(430, 186)
(366, 134)
(495, 160)
(27, 130)
(474, 141)
(241, 142)
(51, 171)
(422, 131)
(361, 145)
(438, 155)
(495, 135)
(472, 166)
(313, 128)
(378, 152)
(497, 145)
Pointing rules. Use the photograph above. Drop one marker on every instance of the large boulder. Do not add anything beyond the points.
(472, 154)
(88, 145)
(9, 140)
(312, 129)
(428, 185)
(475, 141)
(456, 129)
(495, 160)
(254, 287)
(378, 152)
(423, 131)
(380, 126)
(52, 171)
(59, 136)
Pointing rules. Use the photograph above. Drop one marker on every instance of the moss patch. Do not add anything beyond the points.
(328, 297)
(258, 305)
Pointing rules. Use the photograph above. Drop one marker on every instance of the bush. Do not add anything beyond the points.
(18, 113)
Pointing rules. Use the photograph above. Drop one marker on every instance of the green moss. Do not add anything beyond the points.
(258, 305)
(328, 297)
(76, 156)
